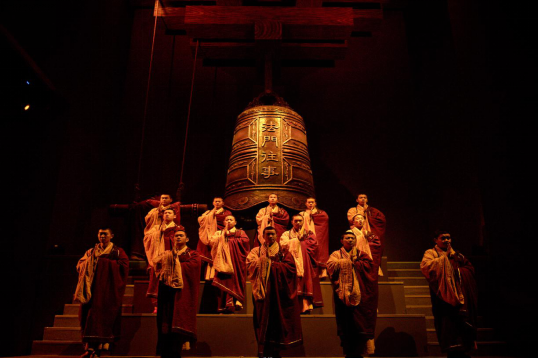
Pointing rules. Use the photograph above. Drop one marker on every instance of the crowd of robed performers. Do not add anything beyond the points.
(285, 268)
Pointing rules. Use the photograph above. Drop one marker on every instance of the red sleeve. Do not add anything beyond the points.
(177, 210)
(281, 217)
(286, 275)
(364, 263)
(377, 219)
(312, 248)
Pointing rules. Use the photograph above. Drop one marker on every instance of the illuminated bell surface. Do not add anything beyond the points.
(269, 155)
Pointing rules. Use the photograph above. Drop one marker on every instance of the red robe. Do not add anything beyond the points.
(176, 311)
(355, 324)
(277, 319)
(321, 222)
(378, 224)
(100, 318)
(205, 250)
(234, 284)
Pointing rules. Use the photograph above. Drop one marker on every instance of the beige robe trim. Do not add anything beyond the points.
(259, 268)
(308, 221)
(86, 269)
(263, 219)
(346, 286)
(208, 226)
(362, 242)
(168, 269)
(438, 270)
(220, 253)
(290, 241)
(359, 210)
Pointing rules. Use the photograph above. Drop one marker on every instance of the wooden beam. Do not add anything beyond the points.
(297, 23)
(350, 2)
(267, 30)
(308, 3)
(174, 17)
(229, 2)
(367, 20)
(287, 51)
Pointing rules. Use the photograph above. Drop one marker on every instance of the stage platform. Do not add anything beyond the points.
(404, 325)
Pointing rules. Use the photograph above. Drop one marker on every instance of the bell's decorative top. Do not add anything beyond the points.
(269, 155)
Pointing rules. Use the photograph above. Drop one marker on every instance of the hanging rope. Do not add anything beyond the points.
(187, 126)
(137, 185)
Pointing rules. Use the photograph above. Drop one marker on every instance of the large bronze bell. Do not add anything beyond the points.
(269, 155)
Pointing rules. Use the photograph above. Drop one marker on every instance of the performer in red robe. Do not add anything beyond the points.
(354, 279)
(210, 221)
(103, 273)
(230, 247)
(271, 215)
(146, 214)
(375, 222)
(178, 270)
(277, 320)
(155, 216)
(165, 231)
(453, 294)
(303, 246)
(317, 221)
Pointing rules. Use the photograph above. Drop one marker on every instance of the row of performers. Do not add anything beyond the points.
(278, 290)
(223, 247)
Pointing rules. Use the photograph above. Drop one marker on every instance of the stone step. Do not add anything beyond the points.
(420, 309)
(413, 300)
(131, 279)
(482, 335)
(405, 273)
(410, 281)
(417, 290)
(73, 308)
(66, 320)
(429, 322)
(484, 348)
(138, 268)
(486, 334)
(391, 298)
(479, 322)
(128, 299)
(431, 335)
(61, 334)
(391, 265)
(139, 337)
(64, 348)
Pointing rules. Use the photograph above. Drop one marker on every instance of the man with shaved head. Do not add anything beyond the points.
(229, 249)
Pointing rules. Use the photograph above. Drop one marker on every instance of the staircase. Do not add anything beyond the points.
(417, 301)
(404, 324)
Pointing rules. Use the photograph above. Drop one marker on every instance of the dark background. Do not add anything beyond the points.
(431, 116)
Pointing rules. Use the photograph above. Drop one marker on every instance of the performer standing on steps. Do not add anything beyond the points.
(164, 231)
(178, 269)
(277, 320)
(230, 247)
(102, 277)
(354, 278)
(453, 295)
(274, 216)
(317, 221)
(303, 247)
(210, 221)
(374, 222)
